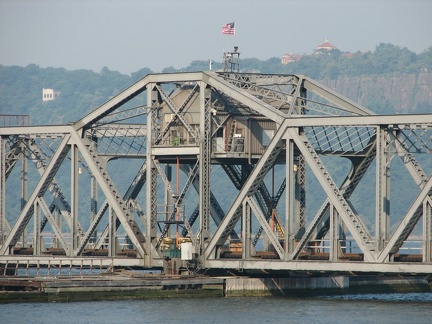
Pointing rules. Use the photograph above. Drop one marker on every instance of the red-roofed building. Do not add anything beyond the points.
(325, 47)
(289, 58)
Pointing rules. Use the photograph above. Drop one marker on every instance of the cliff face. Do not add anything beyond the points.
(406, 93)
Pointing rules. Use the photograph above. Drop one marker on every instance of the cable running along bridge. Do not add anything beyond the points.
(232, 171)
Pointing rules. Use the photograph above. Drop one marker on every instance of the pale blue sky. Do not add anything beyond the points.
(127, 35)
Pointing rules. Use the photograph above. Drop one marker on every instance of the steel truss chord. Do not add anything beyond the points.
(246, 98)
(268, 95)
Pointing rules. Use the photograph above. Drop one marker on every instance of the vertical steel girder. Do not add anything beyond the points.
(74, 196)
(3, 220)
(334, 235)
(382, 222)
(300, 193)
(204, 162)
(151, 172)
(246, 232)
(427, 228)
(37, 238)
(24, 183)
(289, 197)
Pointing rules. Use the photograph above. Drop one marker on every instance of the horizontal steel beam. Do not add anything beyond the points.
(36, 131)
(44, 261)
(323, 266)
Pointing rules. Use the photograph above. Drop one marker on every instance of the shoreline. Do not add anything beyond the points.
(128, 287)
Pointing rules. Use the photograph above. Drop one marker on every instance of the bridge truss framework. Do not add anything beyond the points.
(307, 124)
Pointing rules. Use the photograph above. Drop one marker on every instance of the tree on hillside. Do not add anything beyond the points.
(425, 60)
(135, 76)
(389, 58)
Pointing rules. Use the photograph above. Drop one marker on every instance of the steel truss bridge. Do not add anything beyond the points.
(257, 172)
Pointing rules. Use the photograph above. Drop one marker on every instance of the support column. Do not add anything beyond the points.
(290, 200)
(246, 233)
(58, 219)
(2, 190)
(94, 205)
(300, 196)
(427, 231)
(382, 230)
(93, 195)
(36, 229)
(151, 173)
(334, 233)
(74, 197)
(24, 187)
(112, 243)
(204, 163)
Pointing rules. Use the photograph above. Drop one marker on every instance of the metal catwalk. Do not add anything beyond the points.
(244, 172)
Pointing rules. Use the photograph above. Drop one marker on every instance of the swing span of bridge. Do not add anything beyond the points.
(231, 171)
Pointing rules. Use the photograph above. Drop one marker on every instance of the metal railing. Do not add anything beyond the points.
(14, 120)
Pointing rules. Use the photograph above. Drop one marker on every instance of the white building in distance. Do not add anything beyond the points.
(49, 94)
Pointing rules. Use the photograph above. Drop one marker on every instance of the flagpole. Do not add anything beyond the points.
(235, 27)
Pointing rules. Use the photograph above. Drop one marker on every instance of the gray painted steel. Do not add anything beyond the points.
(185, 125)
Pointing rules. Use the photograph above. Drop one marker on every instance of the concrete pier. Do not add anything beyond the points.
(283, 286)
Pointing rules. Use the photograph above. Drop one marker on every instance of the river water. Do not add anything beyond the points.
(369, 308)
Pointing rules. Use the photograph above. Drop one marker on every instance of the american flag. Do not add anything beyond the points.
(228, 29)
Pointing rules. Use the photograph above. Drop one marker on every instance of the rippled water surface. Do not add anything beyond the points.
(368, 308)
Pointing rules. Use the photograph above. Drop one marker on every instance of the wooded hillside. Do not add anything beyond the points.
(389, 80)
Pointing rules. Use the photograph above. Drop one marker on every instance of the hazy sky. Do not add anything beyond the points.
(127, 35)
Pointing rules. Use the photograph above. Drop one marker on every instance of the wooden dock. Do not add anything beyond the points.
(107, 287)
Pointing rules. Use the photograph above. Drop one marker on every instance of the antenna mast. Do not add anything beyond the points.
(231, 61)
